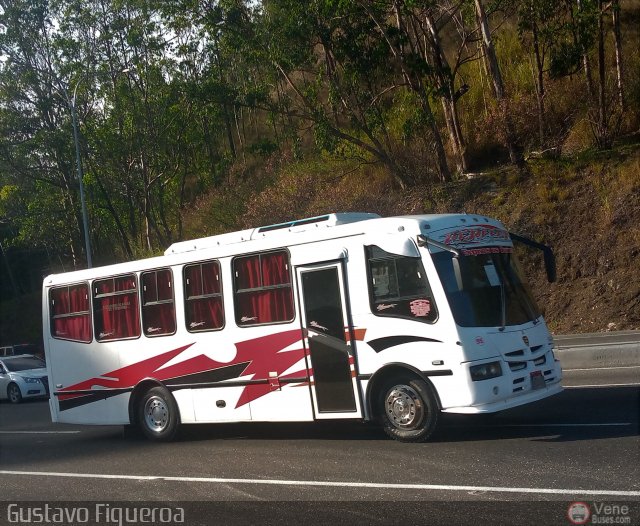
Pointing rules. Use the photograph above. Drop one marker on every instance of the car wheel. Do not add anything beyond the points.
(14, 394)
(409, 410)
(158, 415)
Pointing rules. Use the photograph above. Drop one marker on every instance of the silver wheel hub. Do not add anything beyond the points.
(404, 407)
(156, 414)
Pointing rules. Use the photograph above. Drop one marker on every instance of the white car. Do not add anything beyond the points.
(23, 376)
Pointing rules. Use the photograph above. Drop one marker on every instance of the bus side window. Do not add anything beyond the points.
(262, 289)
(115, 306)
(203, 297)
(69, 313)
(398, 286)
(158, 312)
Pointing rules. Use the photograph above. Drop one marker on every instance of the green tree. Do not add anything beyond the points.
(36, 149)
(337, 74)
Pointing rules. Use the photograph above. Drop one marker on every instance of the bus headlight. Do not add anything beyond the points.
(485, 371)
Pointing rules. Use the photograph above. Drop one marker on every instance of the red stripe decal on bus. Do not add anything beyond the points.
(265, 355)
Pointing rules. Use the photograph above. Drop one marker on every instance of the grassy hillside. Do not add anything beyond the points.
(587, 207)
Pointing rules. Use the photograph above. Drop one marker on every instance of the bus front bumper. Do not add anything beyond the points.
(515, 401)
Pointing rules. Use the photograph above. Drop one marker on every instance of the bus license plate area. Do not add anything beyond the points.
(537, 380)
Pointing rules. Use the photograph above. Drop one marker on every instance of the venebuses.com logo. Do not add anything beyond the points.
(578, 513)
(598, 513)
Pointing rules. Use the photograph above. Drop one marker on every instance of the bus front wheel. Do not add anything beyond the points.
(409, 410)
(158, 415)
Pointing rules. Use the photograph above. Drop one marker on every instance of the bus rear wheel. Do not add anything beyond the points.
(409, 410)
(158, 415)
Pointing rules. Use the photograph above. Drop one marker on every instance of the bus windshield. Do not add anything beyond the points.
(488, 291)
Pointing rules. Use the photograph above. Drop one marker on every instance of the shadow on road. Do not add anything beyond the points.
(574, 415)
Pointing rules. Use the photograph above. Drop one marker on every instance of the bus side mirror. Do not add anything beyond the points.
(549, 258)
(550, 264)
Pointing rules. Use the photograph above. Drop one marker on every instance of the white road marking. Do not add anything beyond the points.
(602, 368)
(328, 483)
(603, 424)
(38, 432)
(599, 385)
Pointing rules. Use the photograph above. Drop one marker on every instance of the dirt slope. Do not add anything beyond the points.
(589, 212)
(587, 209)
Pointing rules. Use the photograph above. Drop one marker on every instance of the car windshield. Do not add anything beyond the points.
(23, 364)
(488, 291)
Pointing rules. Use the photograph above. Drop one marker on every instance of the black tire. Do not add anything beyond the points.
(409, 410)
(14, 394)
(157, 415)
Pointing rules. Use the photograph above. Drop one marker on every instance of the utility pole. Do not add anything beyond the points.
(83, 204)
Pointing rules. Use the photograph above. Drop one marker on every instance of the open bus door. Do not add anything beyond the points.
(328, 341)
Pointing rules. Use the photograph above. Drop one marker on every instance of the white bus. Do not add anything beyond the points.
(343, 316)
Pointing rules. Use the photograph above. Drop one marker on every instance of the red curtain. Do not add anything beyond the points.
(157, 303)
(205, 314)
(164, 285)
(116, 313)
(204, 311)
(193, 281)
(159, 319)
(70, 313)
(275, 269)
(149, 288)
(60, 301)
(117, 317)
(210, 278)
(265, 306)
(274, 301)
(247, 272)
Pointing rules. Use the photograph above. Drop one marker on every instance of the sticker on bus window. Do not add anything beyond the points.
(492, 275)
(420, 307)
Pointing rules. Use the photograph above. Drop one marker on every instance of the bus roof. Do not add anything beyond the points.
(298, 225)
(291, 233)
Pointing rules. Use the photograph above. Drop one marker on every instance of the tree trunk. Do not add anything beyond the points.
(618, 43)
(453, 139)
(515, 152)
(416, 86)
(539, 84)
(441, 156)
(443, 167)
(604, 140)
(448, 98)
(116, 218)
(587, 65)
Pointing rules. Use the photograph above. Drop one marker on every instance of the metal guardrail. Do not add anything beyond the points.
(603, 349)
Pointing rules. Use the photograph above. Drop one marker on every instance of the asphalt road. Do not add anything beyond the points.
(528, 463)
